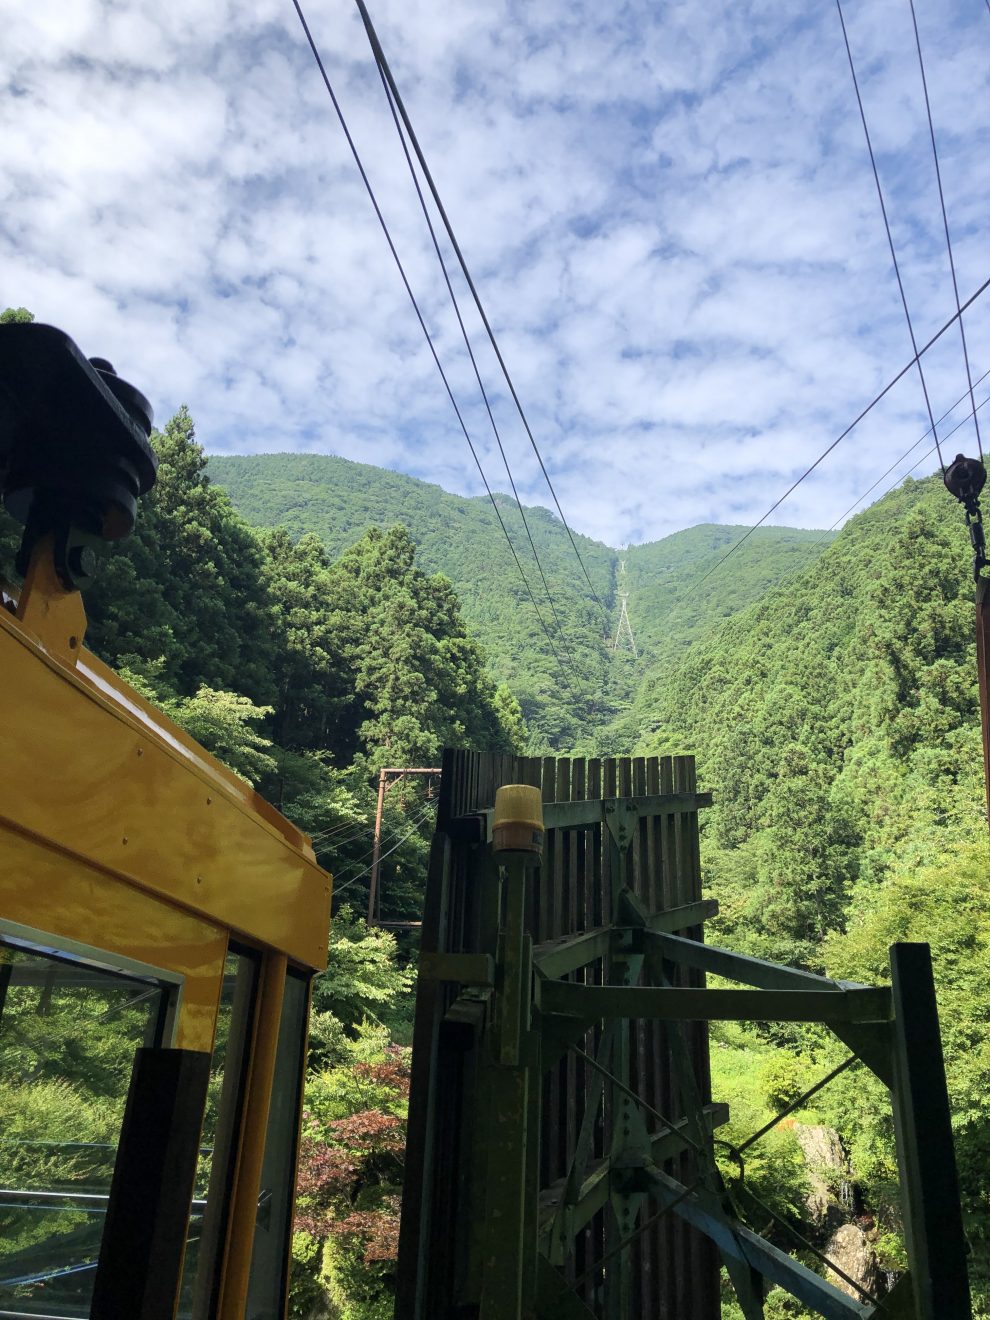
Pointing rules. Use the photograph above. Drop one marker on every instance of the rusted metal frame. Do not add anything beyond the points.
(376, 847)
(676, 1004)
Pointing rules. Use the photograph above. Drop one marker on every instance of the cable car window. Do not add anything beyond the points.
(68, 1032)
(221, 1126)
(267, 1284)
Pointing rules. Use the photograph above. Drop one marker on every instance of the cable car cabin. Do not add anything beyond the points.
(159, 926)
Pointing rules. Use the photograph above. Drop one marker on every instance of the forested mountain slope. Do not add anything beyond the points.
(461, 538)
(672, 600)
(837, 721)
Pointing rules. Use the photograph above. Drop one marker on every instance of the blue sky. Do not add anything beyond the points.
(668, 208)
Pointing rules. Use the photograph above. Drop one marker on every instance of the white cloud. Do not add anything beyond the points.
(669, 211)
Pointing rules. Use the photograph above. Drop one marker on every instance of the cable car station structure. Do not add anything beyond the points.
(562, 1131)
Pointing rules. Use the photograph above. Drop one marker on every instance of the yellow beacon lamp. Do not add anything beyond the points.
(517, 825)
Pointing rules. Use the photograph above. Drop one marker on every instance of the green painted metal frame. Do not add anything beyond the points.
(526, 1018)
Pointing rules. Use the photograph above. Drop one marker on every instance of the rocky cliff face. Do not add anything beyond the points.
(830, 1202)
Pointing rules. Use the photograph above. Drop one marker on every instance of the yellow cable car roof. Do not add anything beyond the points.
(91, 768)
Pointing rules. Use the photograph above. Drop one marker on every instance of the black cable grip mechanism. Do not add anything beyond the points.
(965, 478)
(74, 451)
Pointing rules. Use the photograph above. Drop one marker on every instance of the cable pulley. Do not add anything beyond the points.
(965, 478)
(74, 448)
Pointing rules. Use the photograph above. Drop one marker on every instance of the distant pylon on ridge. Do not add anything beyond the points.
(623, 629)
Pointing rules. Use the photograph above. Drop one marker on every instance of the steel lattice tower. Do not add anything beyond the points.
(623, 629)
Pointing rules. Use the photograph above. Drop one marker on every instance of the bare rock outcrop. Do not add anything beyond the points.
(850, 1249)
(829, 1200)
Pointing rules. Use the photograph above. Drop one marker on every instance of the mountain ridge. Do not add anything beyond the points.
(222, 468)
(554, 656)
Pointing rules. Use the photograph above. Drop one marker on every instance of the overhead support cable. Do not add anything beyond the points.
(423, 326)
(851, 427)
(367, 870)
(470, 349)
(828, 531)
(945, 222)
(890, 237)
(386, 71)
(907, 454)
(389, 833)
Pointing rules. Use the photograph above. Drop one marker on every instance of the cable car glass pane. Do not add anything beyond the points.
(68, 1032)
(270, 1256)
(221, 1125)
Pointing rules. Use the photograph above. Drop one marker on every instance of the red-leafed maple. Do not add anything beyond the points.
(350, 1168)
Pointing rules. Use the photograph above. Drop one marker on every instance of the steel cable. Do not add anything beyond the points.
(470, 350)
(890, 237)
(945, 222)
(383, 65)
(851, 427)
(423, 326)
(367, 870)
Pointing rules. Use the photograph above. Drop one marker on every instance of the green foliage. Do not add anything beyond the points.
(836, 721)
(942, 904)
(362, 981)
(222, 722)
(188, 587)
(774, 1166)
(420, 678)
(351, 1164)
(668, 606)
(302, 674)
(12, 315)
(65, 1062)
